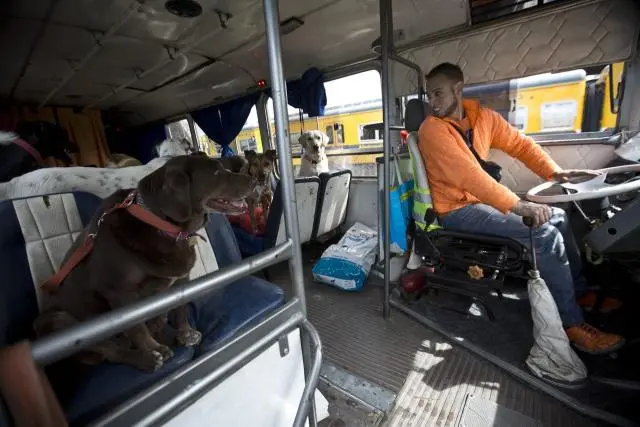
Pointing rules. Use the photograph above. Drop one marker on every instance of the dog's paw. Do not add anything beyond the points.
(165, 352)
(188, 337)
(150, 361)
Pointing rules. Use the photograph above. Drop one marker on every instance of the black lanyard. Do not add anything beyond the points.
(467, 137)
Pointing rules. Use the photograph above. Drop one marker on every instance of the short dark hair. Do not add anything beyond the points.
(448, 70)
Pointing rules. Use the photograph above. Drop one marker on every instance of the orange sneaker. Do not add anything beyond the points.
(590, 340)
(609, 304)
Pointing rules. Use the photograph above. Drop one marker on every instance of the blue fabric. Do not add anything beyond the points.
(400, 209)
(95, 389)
(222, 123)
(223, 241)
(219, 316)
(107, 385)
(18, 303)
(243, 302)
(249, 244)
(142, 140)
(557, 253)
(308, 93)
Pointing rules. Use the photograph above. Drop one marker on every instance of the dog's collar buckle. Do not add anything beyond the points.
(190, 237)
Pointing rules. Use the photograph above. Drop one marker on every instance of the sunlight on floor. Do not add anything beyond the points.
(437, 385)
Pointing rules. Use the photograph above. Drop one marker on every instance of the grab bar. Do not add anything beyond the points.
(61, 344)
(311, 382)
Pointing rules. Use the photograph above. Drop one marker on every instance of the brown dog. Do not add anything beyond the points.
(134, 257)
(260, 166)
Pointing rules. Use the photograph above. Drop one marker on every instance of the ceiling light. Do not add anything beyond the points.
(398, 36)
(290, 25)
(184, 8)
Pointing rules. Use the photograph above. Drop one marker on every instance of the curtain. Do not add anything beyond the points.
(84, 129)
(308, 93)
(223, 122)
(142, 140)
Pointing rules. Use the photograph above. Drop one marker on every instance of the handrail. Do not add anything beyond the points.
(402, 60)
(386, 49)
(176, 392)
(281, 117)
(69, 341)
(311, 381)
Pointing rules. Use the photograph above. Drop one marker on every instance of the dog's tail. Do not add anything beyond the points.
(7, 138)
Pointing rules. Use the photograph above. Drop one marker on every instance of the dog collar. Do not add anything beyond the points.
(29, 149)
(135, 206)
(144, 215)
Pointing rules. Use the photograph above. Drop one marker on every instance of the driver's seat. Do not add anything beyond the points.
(453, 259)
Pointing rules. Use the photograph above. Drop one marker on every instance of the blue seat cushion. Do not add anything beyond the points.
(221, 315)
(104, 386)
(249, 244)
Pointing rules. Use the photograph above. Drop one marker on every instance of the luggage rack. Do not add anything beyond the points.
(145, 409)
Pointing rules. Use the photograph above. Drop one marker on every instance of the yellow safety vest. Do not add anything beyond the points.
(421, 192)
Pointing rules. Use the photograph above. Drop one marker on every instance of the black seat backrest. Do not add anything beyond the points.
(415, 112)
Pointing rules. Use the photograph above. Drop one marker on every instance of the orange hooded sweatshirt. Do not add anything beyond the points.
(456, 178)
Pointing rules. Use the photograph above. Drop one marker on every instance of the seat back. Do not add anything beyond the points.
(332, 203)
(34, 239)
(307, 190)
(415, 113)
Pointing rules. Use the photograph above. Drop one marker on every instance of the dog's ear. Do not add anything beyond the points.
(271, 155)
(249, 154)
(302, 140)
(176, 189)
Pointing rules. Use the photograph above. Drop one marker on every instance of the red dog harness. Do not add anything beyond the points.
(29, 149)
(137, 211)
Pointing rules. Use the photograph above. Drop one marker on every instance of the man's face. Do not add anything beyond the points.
(444, 95)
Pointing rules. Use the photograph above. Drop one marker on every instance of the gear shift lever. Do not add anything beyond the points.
(528, 221)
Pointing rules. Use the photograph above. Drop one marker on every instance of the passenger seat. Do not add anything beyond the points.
(34, 238)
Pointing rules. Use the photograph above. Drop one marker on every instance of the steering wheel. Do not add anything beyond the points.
(594, 188)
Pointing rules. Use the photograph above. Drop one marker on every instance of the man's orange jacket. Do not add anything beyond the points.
(456, 178)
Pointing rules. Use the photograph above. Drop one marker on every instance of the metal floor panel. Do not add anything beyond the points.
(432, 377)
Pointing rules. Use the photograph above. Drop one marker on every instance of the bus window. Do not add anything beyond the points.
(370, 133)
(249, 143)
(521, 118)
(180, 129)
(329, 132)
(247, 139)
(353, 101)
(558, 116)
(339, 129)
(552, 102)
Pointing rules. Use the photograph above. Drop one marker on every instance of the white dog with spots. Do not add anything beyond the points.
(314, 157)
(99, 181)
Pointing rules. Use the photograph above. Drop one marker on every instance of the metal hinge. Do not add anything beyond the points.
(283, 344)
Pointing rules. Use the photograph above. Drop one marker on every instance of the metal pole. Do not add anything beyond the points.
(194, 135)
(281, 116)
(385, 25)
(69, 341)
(279, 96)
(413, 66)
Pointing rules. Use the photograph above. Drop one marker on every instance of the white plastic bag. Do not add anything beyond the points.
(551, 356)
(346, 264)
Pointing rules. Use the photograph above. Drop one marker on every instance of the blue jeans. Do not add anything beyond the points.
(557, 253)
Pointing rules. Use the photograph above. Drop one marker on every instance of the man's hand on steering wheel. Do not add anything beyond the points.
(539, 213)
(575, 175)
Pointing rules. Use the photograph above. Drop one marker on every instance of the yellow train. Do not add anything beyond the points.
(564, 102)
